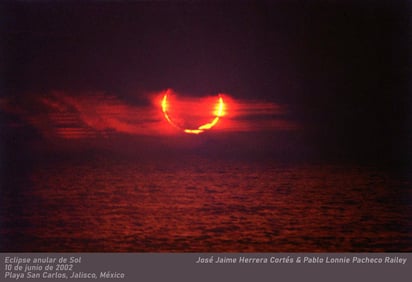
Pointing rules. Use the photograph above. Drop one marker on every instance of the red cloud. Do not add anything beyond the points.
(97, 114)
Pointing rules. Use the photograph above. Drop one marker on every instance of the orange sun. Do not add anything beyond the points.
(218, 113)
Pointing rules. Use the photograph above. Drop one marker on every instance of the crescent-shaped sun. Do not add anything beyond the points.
(218, 113)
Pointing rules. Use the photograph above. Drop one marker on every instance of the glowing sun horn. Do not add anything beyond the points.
(218, 113)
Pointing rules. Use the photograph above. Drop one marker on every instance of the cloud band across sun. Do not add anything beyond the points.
(60, 114)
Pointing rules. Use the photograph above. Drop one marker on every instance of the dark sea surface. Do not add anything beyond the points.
(201, 205)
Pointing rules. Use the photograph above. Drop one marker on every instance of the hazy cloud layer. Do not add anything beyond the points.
(97, 114)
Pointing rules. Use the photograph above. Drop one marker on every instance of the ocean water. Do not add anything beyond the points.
(201, 205)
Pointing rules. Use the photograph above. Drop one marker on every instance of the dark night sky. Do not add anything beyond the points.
(341, 67)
